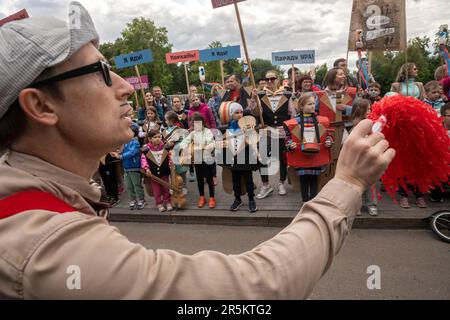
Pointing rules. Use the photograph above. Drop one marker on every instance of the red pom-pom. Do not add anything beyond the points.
(422, 145)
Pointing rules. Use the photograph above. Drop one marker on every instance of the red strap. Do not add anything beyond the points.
(32, 200)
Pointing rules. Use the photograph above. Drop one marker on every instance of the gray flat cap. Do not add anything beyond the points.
(28, 47)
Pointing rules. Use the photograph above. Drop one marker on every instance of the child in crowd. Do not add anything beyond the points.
(360, 109)
(201, 141)
(182, 113)
(208, 116)
(241, 156)
(172, 122)
(308, 124)
(151, 122)
(131, 160)
(433, 95)
(374, 92)
(172, 139)
(155, 161)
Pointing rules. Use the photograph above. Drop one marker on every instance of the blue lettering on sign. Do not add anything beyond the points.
(294, 57)
(134, 58)
(224, 53)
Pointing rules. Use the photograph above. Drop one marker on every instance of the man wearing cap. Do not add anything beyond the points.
(61, 109)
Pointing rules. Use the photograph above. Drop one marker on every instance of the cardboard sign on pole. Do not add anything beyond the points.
(223, 3)
(134, 81)
(22, 14)
(225, 53)
(294, 57)
(133, 59)
(383, 23)
(182, 56)
(187, 76)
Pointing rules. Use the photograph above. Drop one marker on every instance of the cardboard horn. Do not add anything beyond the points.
(247, 123)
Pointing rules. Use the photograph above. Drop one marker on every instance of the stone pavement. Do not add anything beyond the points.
(274, 211)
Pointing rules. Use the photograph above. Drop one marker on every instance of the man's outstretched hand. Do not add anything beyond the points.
(364, 157)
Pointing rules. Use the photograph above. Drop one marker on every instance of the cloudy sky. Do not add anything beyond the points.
(270, 25)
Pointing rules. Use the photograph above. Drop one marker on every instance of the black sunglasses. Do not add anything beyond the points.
(271, 79)
(99, 66)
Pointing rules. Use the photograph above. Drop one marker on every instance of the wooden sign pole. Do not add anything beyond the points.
(244, 42)
(142, 87)
(252, 77)
(137, 100)
(187, 77)
(293, 79)
(222, 73)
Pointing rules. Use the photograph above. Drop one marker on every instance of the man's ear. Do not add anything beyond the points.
(38, 106)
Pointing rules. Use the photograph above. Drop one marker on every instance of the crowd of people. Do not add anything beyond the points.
(283, 118)
(56, 242)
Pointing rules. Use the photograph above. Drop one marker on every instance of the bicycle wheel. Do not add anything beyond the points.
(440, 224)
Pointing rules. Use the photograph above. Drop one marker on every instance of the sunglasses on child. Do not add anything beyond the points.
(100, 66)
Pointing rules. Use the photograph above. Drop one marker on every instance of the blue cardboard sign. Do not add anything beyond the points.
(224, 53)
(294, 57)
(133, 59)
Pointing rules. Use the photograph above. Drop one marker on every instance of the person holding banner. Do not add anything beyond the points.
(51, 217)
(405, 82)
(277, 107)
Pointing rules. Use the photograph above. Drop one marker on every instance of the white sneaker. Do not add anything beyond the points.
(359, 213)
(264, 192)
(140, 204)
(373, 211)
(161, 208)
(282, 189)
(132, 205)
(169, 207)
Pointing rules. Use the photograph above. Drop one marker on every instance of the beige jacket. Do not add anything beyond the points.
(39, 248)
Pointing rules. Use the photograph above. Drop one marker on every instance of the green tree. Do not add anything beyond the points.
(142, 34)
(321, 72)
(261, 66)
